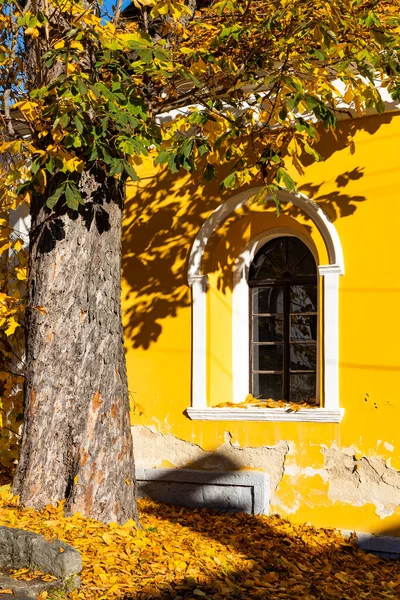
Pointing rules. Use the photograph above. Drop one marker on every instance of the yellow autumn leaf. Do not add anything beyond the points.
(59, 45)
(198, 68)
(107, 538)
(28, 108)
(5, 247)
(18, 245)
(21, 273)
(12, 326)
(114, 588)
(140, 3)
(32, 31)
(76, 45)
(74, 164)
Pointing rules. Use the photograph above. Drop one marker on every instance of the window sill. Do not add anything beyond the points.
(304, 415)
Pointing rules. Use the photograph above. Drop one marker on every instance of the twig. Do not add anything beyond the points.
(117, 12)
(6, 101)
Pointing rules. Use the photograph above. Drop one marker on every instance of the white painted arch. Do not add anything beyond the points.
(222, 212)
(329, 272)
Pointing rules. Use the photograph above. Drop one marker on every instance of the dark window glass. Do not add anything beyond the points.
(283, 257)
(303, 298)
(302, 386)
(268, 300)
(268, 329)
(303, 357)
(284, 321)
(303, 327)
(267, 358)
(267, 385)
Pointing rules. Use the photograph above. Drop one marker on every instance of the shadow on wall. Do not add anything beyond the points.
(196, 486)
(164, 214)
(156, 240)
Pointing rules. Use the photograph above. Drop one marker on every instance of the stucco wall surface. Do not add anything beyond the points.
(344, 474)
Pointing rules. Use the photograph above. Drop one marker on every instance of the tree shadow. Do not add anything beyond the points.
(158, 231)
(161, 225)
(336, 204)
(266, 557)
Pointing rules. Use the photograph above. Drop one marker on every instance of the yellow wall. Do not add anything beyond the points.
(360, 193)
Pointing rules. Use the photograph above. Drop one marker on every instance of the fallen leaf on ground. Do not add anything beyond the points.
(192, 554)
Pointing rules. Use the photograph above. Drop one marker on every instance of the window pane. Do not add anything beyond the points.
(268, 358)
(267, 386)
(268, 300)
(303, 387)
(270, 261)
(282, 257)
(300, 260)
(306, 266)
(303, 298)
(267, 329)
(303, 357)
(303, 328)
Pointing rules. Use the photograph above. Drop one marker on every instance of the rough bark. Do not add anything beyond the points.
(76, 442)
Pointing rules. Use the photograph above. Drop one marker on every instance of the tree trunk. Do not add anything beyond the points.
(76, 442)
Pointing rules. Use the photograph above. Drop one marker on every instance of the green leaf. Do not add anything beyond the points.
(78, 124)
(284, 177)
(187, 147)
(54, 198)
(82, 88)
(161, 55)
(162, 157)
(319, 54)
(72, 196)
(203, 148)
(37, 163)
(64, 120)
(117, 167)
(172, 163)
(24, 187)
(283, 113)
(50, 164)
(229, 181)
(131, 171)
(146, 55)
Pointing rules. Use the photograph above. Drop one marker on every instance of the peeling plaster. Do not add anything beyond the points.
(388, 447)
(362, 481)
(287, 510)
(152, 448)
(296, 471)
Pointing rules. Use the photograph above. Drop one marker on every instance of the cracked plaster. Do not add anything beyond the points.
(152, 448)
(362, 481)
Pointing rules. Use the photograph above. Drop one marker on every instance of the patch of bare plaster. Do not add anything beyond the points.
(152, 448)
(362, 481)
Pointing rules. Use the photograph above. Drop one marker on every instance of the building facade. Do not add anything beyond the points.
(231, 309)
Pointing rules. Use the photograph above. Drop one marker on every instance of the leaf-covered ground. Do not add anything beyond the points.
(193, 554)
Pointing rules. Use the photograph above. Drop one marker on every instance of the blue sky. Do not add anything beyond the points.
(108, 4)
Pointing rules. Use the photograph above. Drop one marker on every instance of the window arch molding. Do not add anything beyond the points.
(330, 272)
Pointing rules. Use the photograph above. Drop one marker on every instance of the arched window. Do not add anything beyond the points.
(283, 322)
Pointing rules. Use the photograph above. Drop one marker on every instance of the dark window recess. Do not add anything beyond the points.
(284, 322)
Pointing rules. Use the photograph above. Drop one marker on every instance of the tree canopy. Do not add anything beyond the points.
(244, 85)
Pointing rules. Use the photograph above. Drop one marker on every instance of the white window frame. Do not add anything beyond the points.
(330, 411)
